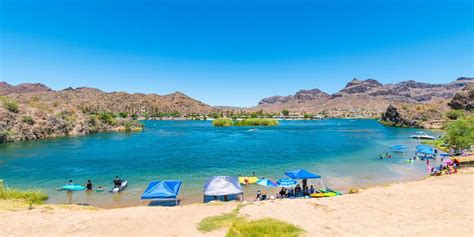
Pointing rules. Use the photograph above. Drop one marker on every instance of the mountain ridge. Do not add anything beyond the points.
(369, 95)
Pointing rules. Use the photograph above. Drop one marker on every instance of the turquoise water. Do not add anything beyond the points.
(344, 152)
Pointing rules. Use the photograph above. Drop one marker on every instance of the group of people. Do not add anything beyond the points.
(444, 167)
(386, 155)
(117, 183)
(298, 191)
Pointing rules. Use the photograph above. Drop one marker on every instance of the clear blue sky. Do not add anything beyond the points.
(227, 52)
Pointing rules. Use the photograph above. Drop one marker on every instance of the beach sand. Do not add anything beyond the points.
(437, 206)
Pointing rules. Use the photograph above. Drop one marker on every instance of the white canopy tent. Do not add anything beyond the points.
(222, 186)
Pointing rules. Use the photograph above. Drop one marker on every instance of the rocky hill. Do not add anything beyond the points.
(429, 115)
(368, 97)
(464, 99)
(6, 88)
(33, 111)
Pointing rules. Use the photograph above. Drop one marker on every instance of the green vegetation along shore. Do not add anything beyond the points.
(224, 122)
(28, 196)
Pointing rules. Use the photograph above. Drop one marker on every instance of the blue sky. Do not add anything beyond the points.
(233, 52)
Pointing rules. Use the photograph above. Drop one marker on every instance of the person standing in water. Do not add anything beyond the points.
(89, 185)
(117, 182)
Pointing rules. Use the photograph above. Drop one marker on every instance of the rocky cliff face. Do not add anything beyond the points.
(464, 99)
(366, 96)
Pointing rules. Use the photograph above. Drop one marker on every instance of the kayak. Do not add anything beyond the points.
(317, 195)
(123, 185)
(73, 187)
(330, 190)
(326, 194)
(250, 180)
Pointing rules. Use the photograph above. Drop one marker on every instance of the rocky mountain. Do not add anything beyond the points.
(364, 97)
(6, 88)
(464, 99)
(93, 100)
(35, 112)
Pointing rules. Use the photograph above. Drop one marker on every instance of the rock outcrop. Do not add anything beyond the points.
(464, 99)
(394, 118)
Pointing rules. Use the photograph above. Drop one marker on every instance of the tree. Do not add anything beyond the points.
(285, 112)
(460, 133)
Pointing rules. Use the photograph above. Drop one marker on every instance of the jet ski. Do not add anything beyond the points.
(123, 185)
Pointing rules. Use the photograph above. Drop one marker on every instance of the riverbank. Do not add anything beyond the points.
(433, 206)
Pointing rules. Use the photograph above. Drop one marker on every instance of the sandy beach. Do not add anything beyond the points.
(437, 206)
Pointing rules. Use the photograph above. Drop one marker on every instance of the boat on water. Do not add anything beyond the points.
(422, 135)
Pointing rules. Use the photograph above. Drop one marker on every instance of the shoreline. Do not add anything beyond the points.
(389, 207)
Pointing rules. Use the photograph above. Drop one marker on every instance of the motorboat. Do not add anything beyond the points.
(422, 135)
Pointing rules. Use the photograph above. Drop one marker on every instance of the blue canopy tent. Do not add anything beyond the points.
(162, 191)
(304, 175)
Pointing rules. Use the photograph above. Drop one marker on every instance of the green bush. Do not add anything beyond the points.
(223, 122)
(257, 122)
(460, 133)
(107, 118)
(454, 114)
(285, 112)
(30, 196)
(263, 227)
(123, 114)
(28, 119)
(10, 105)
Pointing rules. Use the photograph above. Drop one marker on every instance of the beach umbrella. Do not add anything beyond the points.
(287, 182)
(267, 183)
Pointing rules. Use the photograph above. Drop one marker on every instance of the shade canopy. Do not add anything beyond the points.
(267, 183)
(286, 182)
(222, 185)
(301, 174)
(426, 151)
(423, 147)
(167, 189)
(399, 147)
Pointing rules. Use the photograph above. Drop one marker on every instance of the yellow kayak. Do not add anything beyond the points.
(248, 180)
(317, 195)
(320, 195)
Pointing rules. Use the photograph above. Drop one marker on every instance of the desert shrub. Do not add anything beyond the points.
(107, 118)
(123, 114)
(10, 105)
(27, 119)
(454, 114)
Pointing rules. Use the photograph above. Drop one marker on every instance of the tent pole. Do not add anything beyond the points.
(322, 183)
